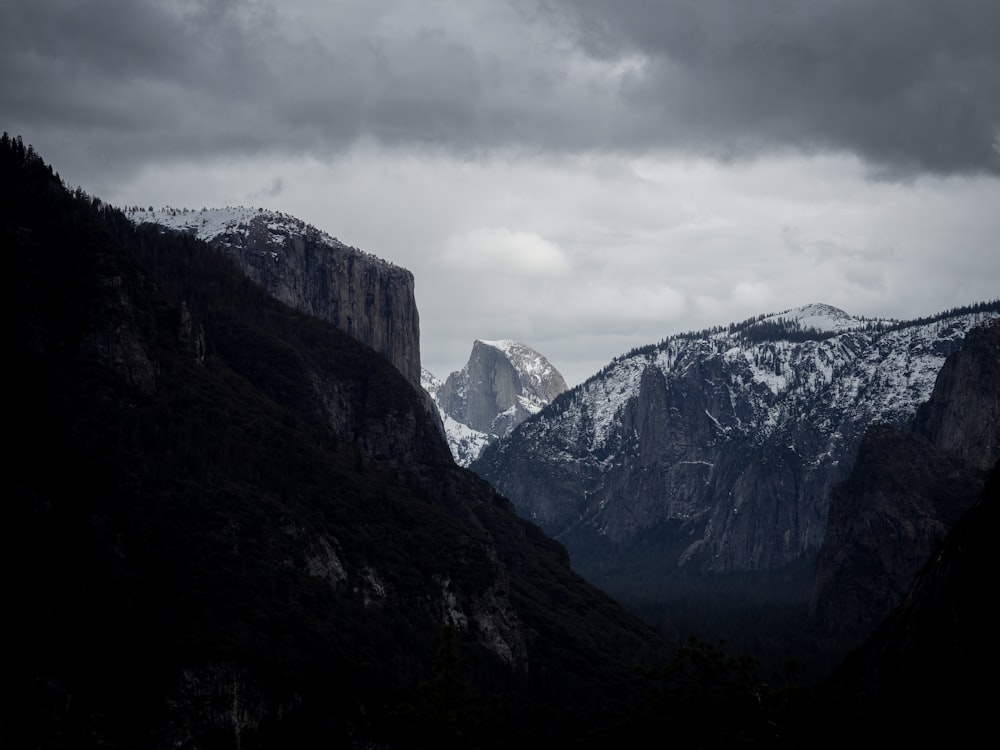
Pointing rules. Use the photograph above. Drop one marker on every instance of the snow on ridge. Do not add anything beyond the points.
(884, 374)
(504, 345)
(210, 223)
(527, 361)
(818, 316)
(430, 382)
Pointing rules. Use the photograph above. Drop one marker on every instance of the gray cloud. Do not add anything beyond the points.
(907, 85)
(652, 167)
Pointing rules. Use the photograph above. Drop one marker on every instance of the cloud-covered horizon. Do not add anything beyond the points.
(582, 175)
(906, 86)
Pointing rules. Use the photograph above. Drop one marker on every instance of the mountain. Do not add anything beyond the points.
(906, 491)
(713, 453)
(503, 383)
(307, 269)
(925, 676)
(230, 524)
(465, 443)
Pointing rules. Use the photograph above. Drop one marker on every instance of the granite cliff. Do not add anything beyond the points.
(503, 383)
(906, 491)
(361, 294)
(715, 451)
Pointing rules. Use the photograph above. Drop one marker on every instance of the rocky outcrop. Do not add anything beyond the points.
(714, 452)
(907, 490)
(963, 415)
(885, 521)
(503, 383)
(361, 294)
(115, 337)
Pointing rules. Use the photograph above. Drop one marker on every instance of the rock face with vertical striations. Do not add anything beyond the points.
(503, 383)
(963, 416)
(714, 452)
(907, 490)
(363, 295)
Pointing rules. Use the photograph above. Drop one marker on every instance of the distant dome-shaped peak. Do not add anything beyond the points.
(818, 316)
(820, 308)
(529, 363)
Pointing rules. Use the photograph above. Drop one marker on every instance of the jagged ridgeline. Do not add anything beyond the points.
(908, 488)
(230, 524)
(696, 473)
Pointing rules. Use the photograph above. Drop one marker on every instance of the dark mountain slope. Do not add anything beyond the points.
(906, 491)
(691, 479)
(228, 524)
(305, 268)
(928, 672)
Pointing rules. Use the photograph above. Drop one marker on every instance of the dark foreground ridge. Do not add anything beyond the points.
(228, 524)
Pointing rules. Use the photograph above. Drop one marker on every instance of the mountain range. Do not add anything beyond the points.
(699, 470)
(908, 488)
(228, 523)
(233, 519)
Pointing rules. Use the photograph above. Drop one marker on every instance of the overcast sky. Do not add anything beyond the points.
(584, 176)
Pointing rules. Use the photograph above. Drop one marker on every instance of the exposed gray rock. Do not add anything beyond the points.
(191, 335)
(963, 417)
(885, 522)
(907, 489)
(503, 383)
(309, 270)
(217, 699)
(116, 339)
(716, 451)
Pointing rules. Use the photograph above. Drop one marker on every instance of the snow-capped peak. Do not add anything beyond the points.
(531, 366)
(216, 224)
(501, 344)
(818, 317)
(491, 395)
(209, 223)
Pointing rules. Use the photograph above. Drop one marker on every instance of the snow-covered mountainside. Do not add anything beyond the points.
(306, 268)
(466, 443)
(210, 223)
(716, 450)
(503, 383)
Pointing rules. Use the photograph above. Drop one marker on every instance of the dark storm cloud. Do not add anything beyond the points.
(117, 77)
(909, 86)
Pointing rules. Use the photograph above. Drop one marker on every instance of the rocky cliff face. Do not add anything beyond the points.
(503, 383)
(363, 295)
(963, 416)
(716, 451)
(906, 491)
